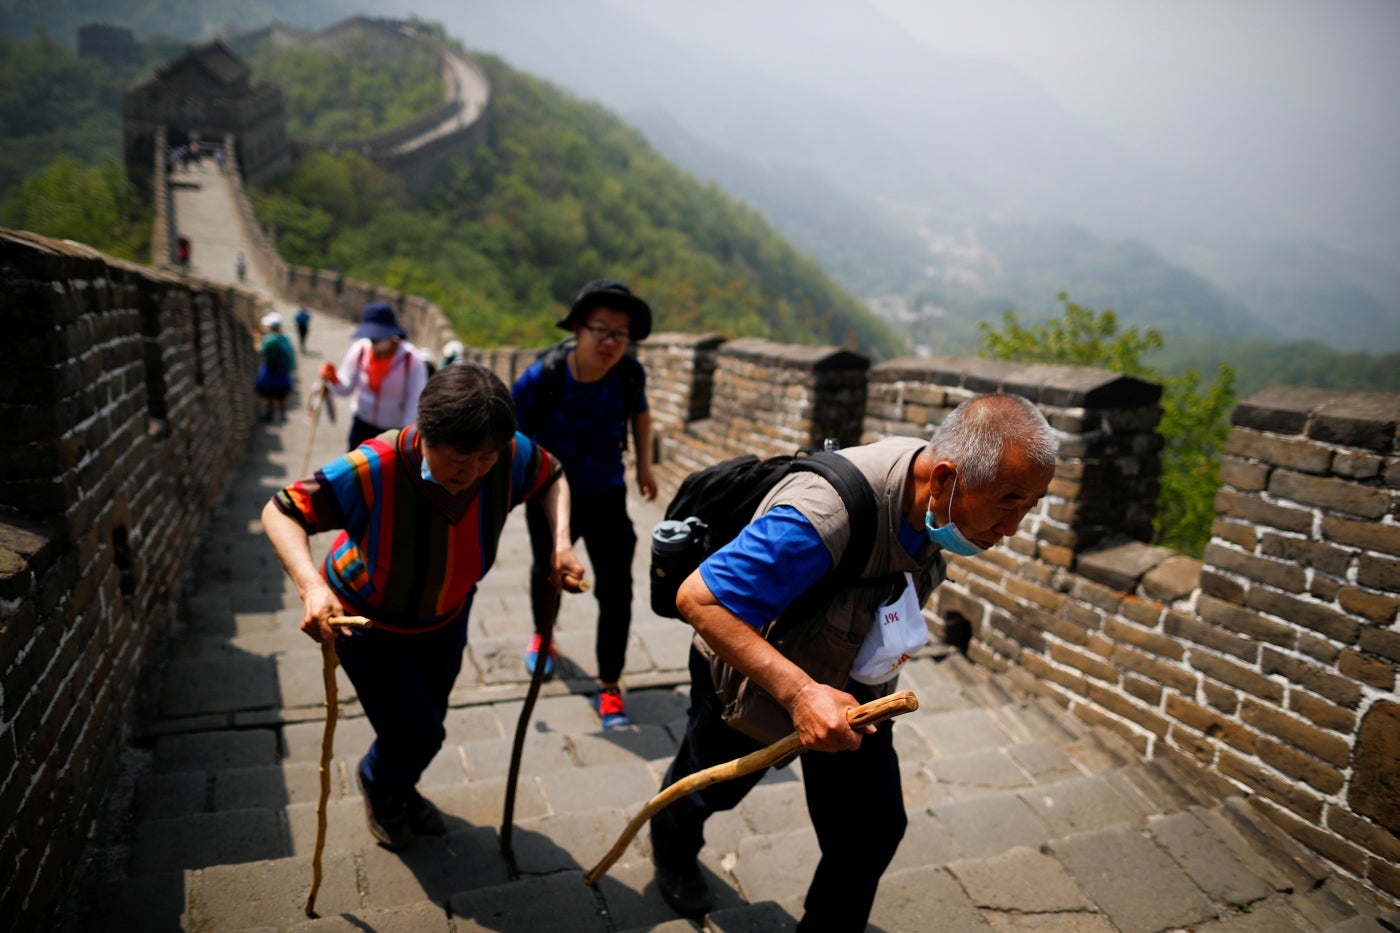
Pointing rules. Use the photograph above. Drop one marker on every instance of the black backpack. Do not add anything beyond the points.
(719, 501)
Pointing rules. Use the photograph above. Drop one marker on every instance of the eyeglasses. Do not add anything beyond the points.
(602, 334)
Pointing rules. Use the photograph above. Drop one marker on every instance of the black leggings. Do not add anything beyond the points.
(855, 800)
(601, 520)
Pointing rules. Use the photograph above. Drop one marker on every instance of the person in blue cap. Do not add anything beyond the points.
(580, 400)
(384, 370)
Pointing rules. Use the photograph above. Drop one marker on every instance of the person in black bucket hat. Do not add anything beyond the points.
(384, 370)
(615, 295)
(583, 395)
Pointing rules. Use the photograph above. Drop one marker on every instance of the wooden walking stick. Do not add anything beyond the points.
(328, 664)
(319, 397)
(876, 711)
(573, 585)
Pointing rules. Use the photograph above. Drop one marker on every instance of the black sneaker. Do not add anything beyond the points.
(685, 890)
(388, 820)
(424, 818)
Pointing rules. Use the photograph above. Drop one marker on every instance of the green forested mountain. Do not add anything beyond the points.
(562, 192)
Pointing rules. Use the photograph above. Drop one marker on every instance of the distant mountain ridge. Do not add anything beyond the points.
(959, 144)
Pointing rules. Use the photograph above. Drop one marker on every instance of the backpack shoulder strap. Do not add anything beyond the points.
(859, 499)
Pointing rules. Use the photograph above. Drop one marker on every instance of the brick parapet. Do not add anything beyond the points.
(113, 379)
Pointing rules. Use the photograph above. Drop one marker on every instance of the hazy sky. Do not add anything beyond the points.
(1299, 95)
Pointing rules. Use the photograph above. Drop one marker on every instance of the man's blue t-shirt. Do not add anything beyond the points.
(774, 560)
(586, 430)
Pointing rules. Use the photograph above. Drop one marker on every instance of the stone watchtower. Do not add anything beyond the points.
(205, 94)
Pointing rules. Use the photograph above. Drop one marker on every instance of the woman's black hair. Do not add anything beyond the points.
(466, 406)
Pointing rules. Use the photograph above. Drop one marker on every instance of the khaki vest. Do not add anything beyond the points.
(826, 644)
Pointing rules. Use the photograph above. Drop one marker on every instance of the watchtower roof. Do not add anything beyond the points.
(213, 60)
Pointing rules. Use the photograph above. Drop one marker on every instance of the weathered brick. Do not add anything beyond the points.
(1042, 596)
(1385, 876)
(1022, 634)
(1085, 663)
(1146, 612)
(1287, 793)
(1292, 452)
(1358, 419)
(1146, 639)
(1223, 587)
(1328, 746)
(1302, 766)
(1374, 607)
(1256, 511)
(1366, 669)
(1287, 577)
(1245, 622)
(1155, 669)
(1143, 689)
(1220, 697)
(1354, 464)
(1280, 409)
(1236, 675)
(1366, 834)
(1046, 671)
(1384, 642)
(1337, 495)
(1235, 532)
(1189, 627)
(1210, 723)
(1382, 573)
(1174, 579)
(1318, 648)
(1316, 554)
(1339, 690)
(1100, 719)
(1244, 475)
(1319, 618)
(1095, 594)
(1126, 707)
(1325, 714)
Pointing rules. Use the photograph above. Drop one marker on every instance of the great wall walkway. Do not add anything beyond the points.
(1021, 818)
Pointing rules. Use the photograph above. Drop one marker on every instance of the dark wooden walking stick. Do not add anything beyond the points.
(328, 664)
(573, 585)
(876, 711)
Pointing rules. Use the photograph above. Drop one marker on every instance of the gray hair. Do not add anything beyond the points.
(975, 435)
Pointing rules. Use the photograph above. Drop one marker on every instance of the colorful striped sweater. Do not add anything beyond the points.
(410, 553)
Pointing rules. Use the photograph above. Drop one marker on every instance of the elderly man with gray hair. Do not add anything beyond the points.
(757, 674)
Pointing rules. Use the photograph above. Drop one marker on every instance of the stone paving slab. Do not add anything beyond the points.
(269, 893)
(1081, 804)
(204, 839)
(558, 902)
(219, 685)
(467, 859)
(214, 750)
(988, 825)
(925, 898)
(1020, 880)
(1206, 859)
(423, 917)
(1132, 881)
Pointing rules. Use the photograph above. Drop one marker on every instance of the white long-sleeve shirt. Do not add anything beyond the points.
(395, 405)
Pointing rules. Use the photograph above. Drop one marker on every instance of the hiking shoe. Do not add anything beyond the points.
(424, 818)
(607, 703)
(388, 820)
(686, 890)
(532, 655)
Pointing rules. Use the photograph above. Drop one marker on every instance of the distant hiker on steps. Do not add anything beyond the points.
(274, 381)
(384, 370)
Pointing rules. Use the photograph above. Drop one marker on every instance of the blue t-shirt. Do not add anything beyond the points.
(586, 430)
(774, 560)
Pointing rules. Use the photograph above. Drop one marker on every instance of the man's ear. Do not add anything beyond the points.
(944, 472)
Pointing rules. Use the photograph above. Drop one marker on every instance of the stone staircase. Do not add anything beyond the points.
(1020, 818)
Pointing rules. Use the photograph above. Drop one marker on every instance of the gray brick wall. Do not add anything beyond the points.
(127, 396)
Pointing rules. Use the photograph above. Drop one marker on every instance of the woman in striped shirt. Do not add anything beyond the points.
(420, 511)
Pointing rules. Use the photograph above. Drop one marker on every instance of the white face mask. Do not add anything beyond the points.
(948, 537)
